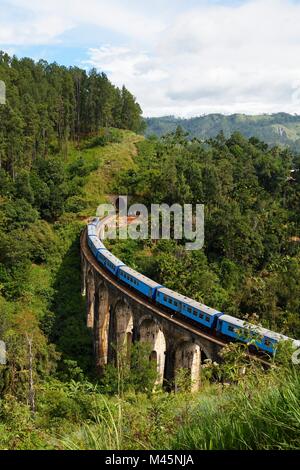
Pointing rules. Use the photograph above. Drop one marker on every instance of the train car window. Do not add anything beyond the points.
(165, 298)
(175, 303)
(189, 309)
(231, 328)
(268, 342)
(201, 315)
(170, 301)
(207, 318)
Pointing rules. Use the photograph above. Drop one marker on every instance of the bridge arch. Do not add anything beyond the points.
(101, 325)
(151, 332)
(109, 301)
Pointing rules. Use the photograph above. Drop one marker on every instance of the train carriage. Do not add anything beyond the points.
(138, 281)
(109, 261)
(95, 245)
(93, 227)
(240, 330)
(188, 307)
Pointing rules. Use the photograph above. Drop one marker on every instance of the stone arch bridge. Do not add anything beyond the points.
(119, 316)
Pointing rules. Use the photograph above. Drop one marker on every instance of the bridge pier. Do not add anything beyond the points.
(84, 267)
(101, 326)
(188, 358)
(123, 322)
(150, 332)
(90, 304)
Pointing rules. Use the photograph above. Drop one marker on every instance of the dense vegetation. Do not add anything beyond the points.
(250, 265)
(58, 160)
(47, 105)
(274, 129)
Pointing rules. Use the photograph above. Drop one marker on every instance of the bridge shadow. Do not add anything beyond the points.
(69, 332)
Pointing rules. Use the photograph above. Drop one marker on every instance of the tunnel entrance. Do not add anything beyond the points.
(121, 205)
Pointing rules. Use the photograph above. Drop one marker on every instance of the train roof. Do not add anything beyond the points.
(116, 261)
(140, 276)
(97, 242)
(92, 230)
(187, 300)
(256, 328)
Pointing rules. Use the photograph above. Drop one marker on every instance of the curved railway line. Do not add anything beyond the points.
(110, 278)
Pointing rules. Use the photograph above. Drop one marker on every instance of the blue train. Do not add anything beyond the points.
(216, 322)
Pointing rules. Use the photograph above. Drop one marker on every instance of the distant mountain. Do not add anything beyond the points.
(274, 129)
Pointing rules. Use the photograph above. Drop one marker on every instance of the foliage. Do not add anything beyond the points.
(250, 260)
(136, 373)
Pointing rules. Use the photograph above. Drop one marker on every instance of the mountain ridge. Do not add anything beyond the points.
(281, 129)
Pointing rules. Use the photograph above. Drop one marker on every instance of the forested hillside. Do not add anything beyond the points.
(48, 105)
(67, 140)
(274, 129)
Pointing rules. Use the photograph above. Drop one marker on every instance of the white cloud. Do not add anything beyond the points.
(212, 58)
(216, 59)
(122, 64)
(40, 30)
(51, 18)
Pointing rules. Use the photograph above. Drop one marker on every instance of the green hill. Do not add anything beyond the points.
(274, 129)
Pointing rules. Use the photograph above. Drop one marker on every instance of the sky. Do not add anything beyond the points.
(178, 57)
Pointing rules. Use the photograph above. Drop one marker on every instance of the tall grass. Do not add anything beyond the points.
(263, 415)
(105, 433)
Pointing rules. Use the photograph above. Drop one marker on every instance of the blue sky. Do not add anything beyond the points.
(182, 57)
